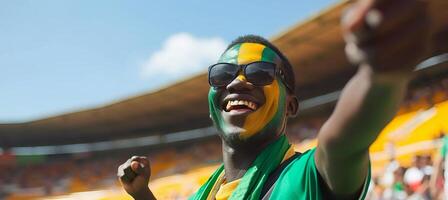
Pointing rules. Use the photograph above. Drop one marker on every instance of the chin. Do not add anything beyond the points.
(232, 136)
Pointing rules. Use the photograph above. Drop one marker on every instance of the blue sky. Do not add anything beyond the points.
(59, 56)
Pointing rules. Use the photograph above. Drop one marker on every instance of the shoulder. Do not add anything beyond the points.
(302, 168)
(305, 158)
(299, 179)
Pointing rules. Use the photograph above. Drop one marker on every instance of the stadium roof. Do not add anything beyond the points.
(314, 47)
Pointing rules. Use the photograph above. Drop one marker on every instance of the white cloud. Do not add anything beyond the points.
(183, 54)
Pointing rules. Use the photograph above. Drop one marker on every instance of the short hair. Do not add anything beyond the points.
(289, 77)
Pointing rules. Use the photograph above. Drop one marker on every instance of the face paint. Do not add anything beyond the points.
(269, 116)
(215, 112)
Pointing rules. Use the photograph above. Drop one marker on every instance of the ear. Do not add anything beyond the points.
(293, 106)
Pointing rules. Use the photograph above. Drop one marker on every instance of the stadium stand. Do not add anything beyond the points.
(178, 171)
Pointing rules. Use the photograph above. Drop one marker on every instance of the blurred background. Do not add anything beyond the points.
(85, 85)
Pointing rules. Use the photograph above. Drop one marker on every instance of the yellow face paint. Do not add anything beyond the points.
(257, 120)
(250, 52)
(241, 77)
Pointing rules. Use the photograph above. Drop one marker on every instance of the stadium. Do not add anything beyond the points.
(76, 155)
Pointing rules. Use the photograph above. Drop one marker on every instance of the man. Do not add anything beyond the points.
(252, 95)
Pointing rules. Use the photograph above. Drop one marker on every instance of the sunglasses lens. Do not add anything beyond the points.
(222, 74)
(260, 73)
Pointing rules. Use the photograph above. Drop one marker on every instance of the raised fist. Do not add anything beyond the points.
(388, 35)
(134, 176)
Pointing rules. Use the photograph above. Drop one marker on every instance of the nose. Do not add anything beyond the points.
(240, 83)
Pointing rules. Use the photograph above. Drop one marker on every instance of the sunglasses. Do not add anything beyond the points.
(258, 73)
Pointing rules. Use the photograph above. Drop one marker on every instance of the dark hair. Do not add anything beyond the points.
(289, 77)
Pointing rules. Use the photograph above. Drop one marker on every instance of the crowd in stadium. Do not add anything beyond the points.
(425, 96)
(56, 177)
(89, 171)
(413, 182)
(84, 172)
(420, 97)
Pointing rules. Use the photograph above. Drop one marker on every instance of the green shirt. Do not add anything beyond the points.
(300, 180)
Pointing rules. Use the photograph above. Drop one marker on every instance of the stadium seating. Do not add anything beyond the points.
(179, 171)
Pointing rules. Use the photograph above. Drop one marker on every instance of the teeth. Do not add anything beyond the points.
(249, 104)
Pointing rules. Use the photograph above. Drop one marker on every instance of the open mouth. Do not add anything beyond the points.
(240, 105)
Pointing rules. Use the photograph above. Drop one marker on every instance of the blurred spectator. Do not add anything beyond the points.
(397, 191)
(439, 169)
(414, 175)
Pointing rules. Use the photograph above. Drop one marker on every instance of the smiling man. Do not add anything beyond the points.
(252, 95)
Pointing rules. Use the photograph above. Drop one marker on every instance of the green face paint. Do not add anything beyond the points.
(215, 112)
(269, 117)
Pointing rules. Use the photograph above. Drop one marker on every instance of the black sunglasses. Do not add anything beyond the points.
(258, 73)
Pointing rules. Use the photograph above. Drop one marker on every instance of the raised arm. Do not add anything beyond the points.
(386, 40)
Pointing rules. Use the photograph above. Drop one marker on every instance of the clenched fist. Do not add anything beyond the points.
(134, 176)
(387, 35)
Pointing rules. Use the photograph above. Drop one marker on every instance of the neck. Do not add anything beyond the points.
(238, 159)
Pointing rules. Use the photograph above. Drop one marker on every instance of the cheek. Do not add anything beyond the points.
(213, 105)
(260, 119)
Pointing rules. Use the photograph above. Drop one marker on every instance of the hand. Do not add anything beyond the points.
(134, 176)
(387, 35)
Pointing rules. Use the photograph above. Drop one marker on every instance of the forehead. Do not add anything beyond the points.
(244, 53)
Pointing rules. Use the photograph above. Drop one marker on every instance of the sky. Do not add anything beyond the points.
(61, 56)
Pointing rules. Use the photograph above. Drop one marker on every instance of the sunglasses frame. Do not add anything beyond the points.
(277, 71)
